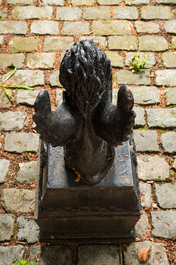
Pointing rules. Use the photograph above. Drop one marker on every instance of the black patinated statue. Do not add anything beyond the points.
(87, 124)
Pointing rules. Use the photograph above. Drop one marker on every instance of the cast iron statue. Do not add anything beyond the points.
(87, 124)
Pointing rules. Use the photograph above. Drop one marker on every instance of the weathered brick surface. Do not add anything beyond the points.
(55, 44)
(68, 13)
(51, 2)
(142, 226)
(127, 77)
(27, 172)
(139, 120)
(7, 222)
(166, 202)
(147, 27)
(41, 60)
(164, 224)
(136, 2)
(152, 43)
(146, 141)
(122, 43)
(165, 77)
(45, 27)
(169, 59)
(54, 79)
(162, 118)
(120, 12)
(146, 95)
(12, 121)
(16, 27)
(9, 253)
(32, 12)
(7, 59)
(4, 169)
(75, 28)
(169, 142)
(156, 12)
(28, 230)
(170, 26)
(107, 28)
(170, 95)
(20, 44)
(116, 59)
(96, 12)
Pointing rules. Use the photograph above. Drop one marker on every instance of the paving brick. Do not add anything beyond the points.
(99, 41)
(136, 2)
(20, 2)
(27, 172)
(149, 56)
(19, 142)
(98, 254)
(52, 2)
(16, 59)
(169, 142)
(59, 95)
(51, 255)
(122, 43)
(130, 13)
(146, 95)
(54, 79)
(20, 44)
(97, 12)
(164, 224)
(32, 12)
(152, 43)
(139, 120)
(4, 169)
(152, 168)
(156, 12)
(83, 2)
(31, 78)
(75, 28)
(28, 230)
(165, 77)
(109, 2)
(12, 121)
(166, 202)
(129, 78)
(170, 26)
(26, 97)
(161, 118)
(9, 253)
(55, 44)
(142, 227)
(68, 13)
(115, 27)
(45, 27)
(3, 14)
(18, 200)
(145, 192)
(169, 59)
(4, 101)
(146, 141)
(146, 27)
(41, 60)
(116, 59)
(170, 96)
(7, 222)
(157, 254)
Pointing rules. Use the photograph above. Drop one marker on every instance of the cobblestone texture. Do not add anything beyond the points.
(7, 222)
(28, 230)
(161, 118)
(146, 95)
(26, 97)
(21, 44)
(169, 142)
(7, 59)
(45, 27)
(165, 77)
(152, 43)
(32, 12)
(75, 28)
(146, 199)
(18, 200)
(27, 172)
(130, 13)
(156, 12)
(164, 224)
(152, 168)
(127, 77)
(16, 27)
(96, 12)
(107, 28)
(170, 95)
(41, 60)
(9, 253)
(122, 43)
(12, 121)
(140, 116)
(146, 27)
(4, 169)
(146, 141)
(142, 226)
(68, 13)
(166, 202)
(55, 44)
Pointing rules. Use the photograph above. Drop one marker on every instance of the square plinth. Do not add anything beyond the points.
(67, 210)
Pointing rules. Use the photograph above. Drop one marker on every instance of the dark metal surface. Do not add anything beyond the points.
(87, 124)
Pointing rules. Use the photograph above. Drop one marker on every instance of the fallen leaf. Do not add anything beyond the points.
(143, 254)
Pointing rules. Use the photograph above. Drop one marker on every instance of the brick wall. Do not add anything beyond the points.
(34, 36)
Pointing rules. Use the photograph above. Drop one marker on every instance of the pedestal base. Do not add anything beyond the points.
(69, 211)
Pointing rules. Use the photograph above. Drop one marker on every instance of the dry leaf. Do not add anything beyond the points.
(143, 254)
